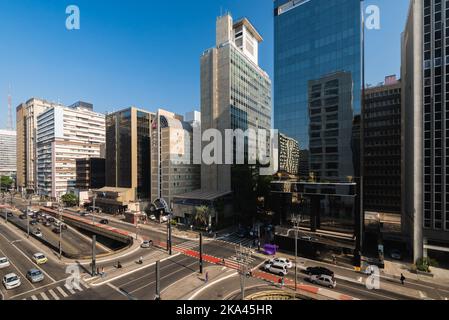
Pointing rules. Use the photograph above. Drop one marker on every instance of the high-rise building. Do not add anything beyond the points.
(315, 40)
(173, 171)
(128, 157)
(235, 91)
(425, 112)
(8, 153)
(382, 148)
(26, 127)
(288, 155)
(90, 173)
(65, 134)
(330, 129)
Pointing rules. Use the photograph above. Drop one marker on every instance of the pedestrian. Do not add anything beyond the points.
(207, 277)
(402, 279)
(98, 270)
(102, 272)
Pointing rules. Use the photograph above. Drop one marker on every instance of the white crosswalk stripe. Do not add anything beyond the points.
(58, 293)
(188, 245)
(234, 238)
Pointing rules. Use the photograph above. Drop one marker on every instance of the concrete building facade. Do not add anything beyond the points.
(425, 105)
(65, 134)
(173, 171)
(8, 145)
(235, 91)
(26, 126)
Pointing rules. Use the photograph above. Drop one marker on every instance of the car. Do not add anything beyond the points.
(164, 219)
(153, 217)
(64, 226)
(51, 219)
(318, 271)
(23, 217)
(35, 276)
(396, 254)
(9, 214)
(40, 258)
(283, 261)
(323, 280)
(276, 268)
(4, 263)
(11, 281)
(56, 230)
(47, 223)
(38, 233)
(33, 222)
(104, 221)
(146, 244)
(83, 214)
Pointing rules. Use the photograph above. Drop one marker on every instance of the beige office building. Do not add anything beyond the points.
(235, 91)
(26, 126)
(172, 169)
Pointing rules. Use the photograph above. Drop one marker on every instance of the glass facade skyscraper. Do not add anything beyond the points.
(314, 40)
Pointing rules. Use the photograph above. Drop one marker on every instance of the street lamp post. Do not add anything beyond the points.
(28, 219)
(93, 208)
(296, 254)
(60, 231)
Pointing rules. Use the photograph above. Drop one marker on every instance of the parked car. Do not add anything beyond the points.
(104, 221)
(276, 268)
(396, 254)
(323, 280)
(40, 258)
(284, 261)
(11, 281)
(4, 263)
(56, 230)
(146, 244)
(35, 276)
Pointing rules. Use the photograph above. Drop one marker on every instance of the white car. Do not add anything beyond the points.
(146, 244)
(11, 281)
(276, 268)
(284, 261)
(164, 219)
(153, 217)
(4, 263)
(323, 280)
(38, 234)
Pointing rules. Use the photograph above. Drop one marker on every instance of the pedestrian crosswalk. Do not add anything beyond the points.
(188, 245)
(58, 293)
(234, 238)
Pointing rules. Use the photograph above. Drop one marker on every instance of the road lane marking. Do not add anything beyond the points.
(53, 294)
(34, 297)
(34, 264)
(44, 296)
(69, 289)
(12, 264)
(133, 271)
(366, 292)
(211, 284)
(62, 292)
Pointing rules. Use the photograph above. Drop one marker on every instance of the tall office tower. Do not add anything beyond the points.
(8, 154)
(172, 169)
(425, 112)
(288, 155)
(90, 173)
(330, 135)
(128, 157)
(313, 40)
(382, 148)
(65, 134)
(26, 127)
(235, 91)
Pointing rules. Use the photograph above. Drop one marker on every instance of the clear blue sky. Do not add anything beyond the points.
(142, 53)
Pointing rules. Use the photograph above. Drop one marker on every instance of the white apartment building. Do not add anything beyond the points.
(65, 134)
(8, 152)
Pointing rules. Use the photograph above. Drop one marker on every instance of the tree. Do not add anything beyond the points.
(69, 200)
(6, 183)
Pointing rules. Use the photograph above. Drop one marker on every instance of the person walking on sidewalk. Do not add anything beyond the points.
(207, 277)
(402, 279)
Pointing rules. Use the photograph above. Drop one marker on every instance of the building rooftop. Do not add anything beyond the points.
(203, 195)
(249, 26)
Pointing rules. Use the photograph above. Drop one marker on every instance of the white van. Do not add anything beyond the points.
(276, 268)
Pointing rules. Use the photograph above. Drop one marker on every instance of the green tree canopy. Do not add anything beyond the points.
(69, 200)
(6, 183)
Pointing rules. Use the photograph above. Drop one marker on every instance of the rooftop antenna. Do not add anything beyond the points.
(9, 124)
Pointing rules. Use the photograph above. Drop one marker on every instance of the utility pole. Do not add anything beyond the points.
(158, 282)
(60, 231)
(243, 258)
(169, 237)
(28, 219)
(94, 263)
(201, 253)
(93, 208)
(296, 224)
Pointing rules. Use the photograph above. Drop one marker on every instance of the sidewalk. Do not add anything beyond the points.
(395, 269)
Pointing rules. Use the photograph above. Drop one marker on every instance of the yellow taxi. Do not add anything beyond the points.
(40, 258)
